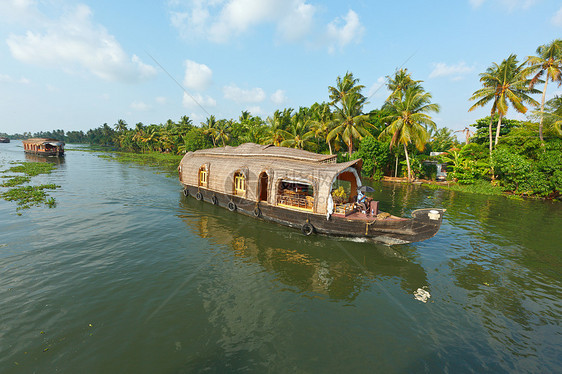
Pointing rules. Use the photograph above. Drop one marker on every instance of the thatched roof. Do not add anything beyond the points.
(253, 150)
(39, 141)
(279, 163)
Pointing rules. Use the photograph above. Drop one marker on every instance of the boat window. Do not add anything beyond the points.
(239, 184)
(296, 194)
(203, 177)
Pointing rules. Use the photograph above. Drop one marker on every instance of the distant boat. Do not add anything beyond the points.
(296, 188)
(4, 140)
(43, 146)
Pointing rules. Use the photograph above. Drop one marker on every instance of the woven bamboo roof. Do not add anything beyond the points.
(38, 141)
(253, 150)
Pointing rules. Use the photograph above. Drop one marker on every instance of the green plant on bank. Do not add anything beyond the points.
(480, 186)
(465, 170)
(541, 176)
(169, 162)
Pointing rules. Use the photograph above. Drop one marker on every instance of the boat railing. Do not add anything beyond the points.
(297, 201)
(344, 209)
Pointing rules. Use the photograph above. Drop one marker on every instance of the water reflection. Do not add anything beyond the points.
(39, 158)
(336, 268)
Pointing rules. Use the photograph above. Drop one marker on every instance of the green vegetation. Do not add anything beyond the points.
(28, 196)
(166, 161)
(519, 157)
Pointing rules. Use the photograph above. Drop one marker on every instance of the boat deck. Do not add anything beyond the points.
(359, 216)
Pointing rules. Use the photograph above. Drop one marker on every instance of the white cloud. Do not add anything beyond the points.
(506, 4)
(239, 95)
(140, 106)
(297, 22)
(219, 21)
(255, 110)
(476, 3)
(198, 101)
(21, 12)
(279, 97)
(557, 18)
(75, 42)
(343, 34)
(4, 78)
(455, 72)
(161, 100)
(197, 76)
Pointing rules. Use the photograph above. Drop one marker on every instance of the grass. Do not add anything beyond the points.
(479, 187)
(165, 161)
(28, 196)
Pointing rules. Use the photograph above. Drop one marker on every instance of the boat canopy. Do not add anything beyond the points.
(269, 164)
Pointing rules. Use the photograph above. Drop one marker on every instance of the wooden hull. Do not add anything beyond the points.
(4, 140)
(45, 153)
(392, 230)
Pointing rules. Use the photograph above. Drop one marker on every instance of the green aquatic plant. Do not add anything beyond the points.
(28, 196)
(15, 181)
(32, 169)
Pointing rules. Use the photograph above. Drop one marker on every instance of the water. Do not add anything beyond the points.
(126, 275)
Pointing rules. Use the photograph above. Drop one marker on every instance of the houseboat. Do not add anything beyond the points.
(4, 140)
(43, 146)
(299, 189)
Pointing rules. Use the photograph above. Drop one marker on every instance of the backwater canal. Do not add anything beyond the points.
(125, 275)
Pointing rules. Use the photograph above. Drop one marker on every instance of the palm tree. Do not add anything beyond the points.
(209, 128)
(322, 122)
(512, 89)
(223, 131)
(349, 121)
(488, 94)
(344, 87)
(401, 81)
(298, 134)
(120, 126)
(409, 121)
(503, 84)
(554, 113)
(549, 60)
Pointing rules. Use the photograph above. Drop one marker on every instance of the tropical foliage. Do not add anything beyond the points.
(396, 139)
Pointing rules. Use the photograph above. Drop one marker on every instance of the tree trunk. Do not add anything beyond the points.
(407, 163)
(490, 132)
(498, 130)
(350, 148)
(330, 147)
(396, 167)
(542, 108)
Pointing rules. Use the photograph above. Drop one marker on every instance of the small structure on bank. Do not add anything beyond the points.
(43, 146)
(296, 188)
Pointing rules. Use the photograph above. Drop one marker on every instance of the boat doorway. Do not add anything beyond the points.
(263, 185)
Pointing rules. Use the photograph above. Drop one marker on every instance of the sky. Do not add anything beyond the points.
(75, 65)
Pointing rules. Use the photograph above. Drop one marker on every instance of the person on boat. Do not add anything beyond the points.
(361, 201)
